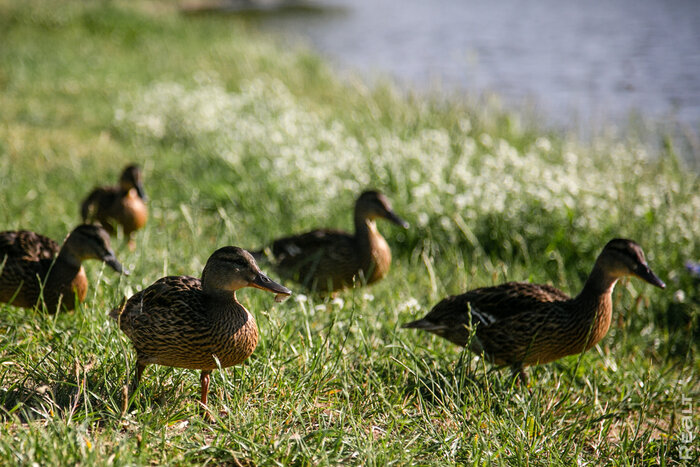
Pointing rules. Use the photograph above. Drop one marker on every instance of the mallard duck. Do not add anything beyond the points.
(33, 266)
(123, 204)
(521, 324)
(329, 260)
(185, 322)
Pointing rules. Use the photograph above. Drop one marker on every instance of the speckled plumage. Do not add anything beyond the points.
(186, 322)
(174, 323)
(521, 324)
(123, 204)
(328, 260)
(33, 266)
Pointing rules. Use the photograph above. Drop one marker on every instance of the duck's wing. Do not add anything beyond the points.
(169, 303)
(298, 246)
(488, 305)
(320, 259)
(24, 257)
(27, 246)
(322, 245)
(99, 202)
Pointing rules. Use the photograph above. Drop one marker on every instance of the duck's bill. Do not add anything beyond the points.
(391, 215)
(423, 324)
(648, 275)
(141, 192)
(112, 262)
(263, 282)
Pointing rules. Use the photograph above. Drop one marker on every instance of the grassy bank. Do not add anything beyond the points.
(242, 142)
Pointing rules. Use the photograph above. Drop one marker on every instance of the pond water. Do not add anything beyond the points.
(577, 63)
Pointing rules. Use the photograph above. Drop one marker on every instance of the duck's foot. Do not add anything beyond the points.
(206, 413)
(519, 376)
(130, 389)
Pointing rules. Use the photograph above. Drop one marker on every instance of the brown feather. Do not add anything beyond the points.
(121, 205)
(328, 260)
(521, 324)
(34, 267)
(186, 322)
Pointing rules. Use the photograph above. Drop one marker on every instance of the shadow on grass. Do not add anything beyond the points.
(49, 388)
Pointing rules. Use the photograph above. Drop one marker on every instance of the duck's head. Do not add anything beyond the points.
(622, 257)
(131, 178)
(231, 268)
(373, 204)
(88, 241)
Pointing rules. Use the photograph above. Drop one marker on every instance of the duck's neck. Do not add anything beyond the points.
(374, 251)
(217, 293)
(66, 281)
(234, 333)
(222, 300)
(226, 312)
(365, 231)
(66, 266)
(592, 308)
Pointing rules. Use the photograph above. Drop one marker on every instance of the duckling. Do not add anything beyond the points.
(185, 322)
(330, 260)
(34, 267)
(123, 204)
(521, 324)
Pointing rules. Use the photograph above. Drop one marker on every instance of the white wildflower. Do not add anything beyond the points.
(301, 298)
(679, 296)
(411, 305)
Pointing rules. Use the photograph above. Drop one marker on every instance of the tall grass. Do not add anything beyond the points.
(242, 142)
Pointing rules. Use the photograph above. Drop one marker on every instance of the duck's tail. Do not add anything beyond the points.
(87, 207)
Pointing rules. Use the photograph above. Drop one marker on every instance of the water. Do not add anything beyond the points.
(577, 63)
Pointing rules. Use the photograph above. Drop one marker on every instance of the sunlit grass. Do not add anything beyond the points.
(242, 142)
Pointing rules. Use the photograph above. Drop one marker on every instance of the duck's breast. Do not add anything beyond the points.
(133, 213)
(379, 260)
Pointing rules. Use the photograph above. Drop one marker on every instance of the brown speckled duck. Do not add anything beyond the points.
(123, 204)
(521, 324)
(329, 260)
(33, 266)
(182, 321)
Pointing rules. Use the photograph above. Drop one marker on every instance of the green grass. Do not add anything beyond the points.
(242, 142)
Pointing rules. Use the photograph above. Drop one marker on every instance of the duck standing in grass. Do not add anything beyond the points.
(185, 322)
(521, 324)
(330, 260)
(123, 205)
(35, 268)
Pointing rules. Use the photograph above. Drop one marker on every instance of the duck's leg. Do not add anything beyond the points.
(130, 242)
(139, 373)
(126, 390)
(137, 377)
(204, 380)
(518, 372)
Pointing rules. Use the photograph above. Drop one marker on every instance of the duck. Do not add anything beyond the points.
(35, 269)
(328, 260)
(196, 323)
(124, 204)
(519, 324)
